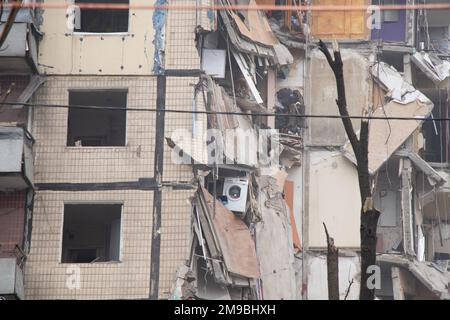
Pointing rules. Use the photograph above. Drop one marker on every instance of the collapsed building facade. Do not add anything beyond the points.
(221, 191)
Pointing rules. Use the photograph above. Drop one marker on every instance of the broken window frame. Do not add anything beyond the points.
(437, 142)
(121, 230)
(115, 90)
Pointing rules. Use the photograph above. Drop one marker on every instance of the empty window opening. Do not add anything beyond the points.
(91, 233)
(394, 59)
(97, 127)
(102, 20)
(437, 133)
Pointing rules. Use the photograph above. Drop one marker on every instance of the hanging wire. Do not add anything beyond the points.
(265, 114)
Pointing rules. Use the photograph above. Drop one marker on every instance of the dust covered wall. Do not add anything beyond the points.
(64, 52)
(349, 267)
(322, 95)
(334, 199)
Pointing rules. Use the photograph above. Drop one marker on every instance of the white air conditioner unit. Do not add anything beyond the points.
(235, 189)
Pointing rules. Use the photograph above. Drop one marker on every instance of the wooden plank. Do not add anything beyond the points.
(340, 24)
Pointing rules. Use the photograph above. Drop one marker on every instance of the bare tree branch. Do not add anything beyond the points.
(348, 289)
(369, 215)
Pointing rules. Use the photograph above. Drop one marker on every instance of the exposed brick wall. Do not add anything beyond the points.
(11, 221)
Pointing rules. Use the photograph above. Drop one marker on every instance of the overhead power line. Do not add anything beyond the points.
(267, 114)
(193, 7)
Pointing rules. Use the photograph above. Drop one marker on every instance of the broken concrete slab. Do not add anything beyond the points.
(386, 136)
(424, 272)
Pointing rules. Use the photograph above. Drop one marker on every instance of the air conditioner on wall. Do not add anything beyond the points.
(236, 189)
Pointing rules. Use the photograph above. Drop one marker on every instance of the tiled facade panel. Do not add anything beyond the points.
(12, 217)
(47, 278)
(181, 52)
(179, 96)
(175, 234)
(55, 162)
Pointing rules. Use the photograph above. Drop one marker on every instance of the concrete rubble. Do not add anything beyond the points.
(276, 221)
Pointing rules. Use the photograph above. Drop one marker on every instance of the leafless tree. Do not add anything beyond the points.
(369, 215)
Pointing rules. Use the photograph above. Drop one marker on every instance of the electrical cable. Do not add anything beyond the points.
(267, 114)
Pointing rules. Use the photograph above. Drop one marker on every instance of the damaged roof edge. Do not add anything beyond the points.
(243, 44)
(277, 52)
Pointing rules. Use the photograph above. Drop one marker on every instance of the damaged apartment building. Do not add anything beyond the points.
(167, 154)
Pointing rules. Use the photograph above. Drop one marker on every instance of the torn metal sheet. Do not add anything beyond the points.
(432, 66)
(398, 89)
(427, 274)
(386, 136)
(234, 238)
